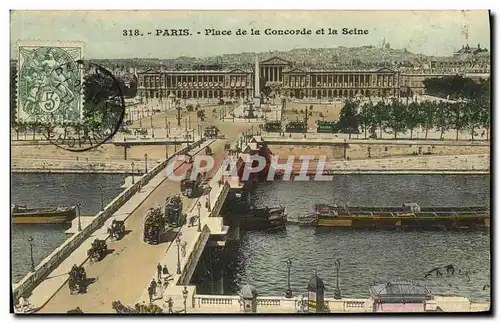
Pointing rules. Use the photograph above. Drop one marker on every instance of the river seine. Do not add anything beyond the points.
(50, 190)
(366, 257)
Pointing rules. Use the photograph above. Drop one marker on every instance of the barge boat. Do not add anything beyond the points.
(23, 214)
(263, 218)
(408, 216)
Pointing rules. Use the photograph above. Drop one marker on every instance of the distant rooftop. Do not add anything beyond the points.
(470, 50)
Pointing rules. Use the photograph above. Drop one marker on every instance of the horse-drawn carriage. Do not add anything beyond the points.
(173, 211)
(154, 226)
(211, 132)
(77, 279)
(120, 308)
(189, 187)
(98, 250)
(117, 230)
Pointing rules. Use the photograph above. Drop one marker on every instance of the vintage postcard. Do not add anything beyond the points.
(250, 162)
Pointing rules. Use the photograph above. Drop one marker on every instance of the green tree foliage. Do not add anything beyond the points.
(366, 116)
(96, 109)
(442, 118)
(381, 115)
(455, 87)
(427, 115)
(348, 119)
(397, 118)
(472, 115)
(413, 116)
(400, 117)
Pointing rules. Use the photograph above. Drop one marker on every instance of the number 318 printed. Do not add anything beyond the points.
(131, 32)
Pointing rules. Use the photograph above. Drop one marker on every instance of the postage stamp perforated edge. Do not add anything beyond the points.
(43, 43)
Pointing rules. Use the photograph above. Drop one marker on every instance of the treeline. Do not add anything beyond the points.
(400, 117)
(457, 87)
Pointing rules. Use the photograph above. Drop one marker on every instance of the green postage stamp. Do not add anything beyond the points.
(50, 82)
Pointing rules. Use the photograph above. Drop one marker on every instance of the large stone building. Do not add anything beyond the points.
(281, 75)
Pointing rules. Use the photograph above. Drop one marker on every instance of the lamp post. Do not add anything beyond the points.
(185, 295)
(306, 117)
(288, 293)
(337, 294)
(133, 181)
(178, 107)
(102, 197)
(146, 161)
(142, 116)
(209, 201)
(79, 222)
(178, 243)
(30, 239)
(199, 217)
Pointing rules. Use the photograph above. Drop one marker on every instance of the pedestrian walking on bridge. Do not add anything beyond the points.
(183, 248)
(159, 289)
(150, 293)
(165, 271)
(158, 270)
(153, 286)
(170, 305)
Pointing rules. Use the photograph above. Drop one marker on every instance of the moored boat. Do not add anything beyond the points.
(408, 216)
(23, 214)
(263, 218)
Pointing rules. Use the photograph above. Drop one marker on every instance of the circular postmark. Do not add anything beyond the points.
(79, 105)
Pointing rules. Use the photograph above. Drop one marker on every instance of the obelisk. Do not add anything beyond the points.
(256, 97)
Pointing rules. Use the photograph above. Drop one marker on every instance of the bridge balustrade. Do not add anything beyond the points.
(32, 279)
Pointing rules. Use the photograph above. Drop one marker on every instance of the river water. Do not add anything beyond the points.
(366, 257)
(49, 190)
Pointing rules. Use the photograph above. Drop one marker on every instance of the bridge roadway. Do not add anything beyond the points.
(124, 272)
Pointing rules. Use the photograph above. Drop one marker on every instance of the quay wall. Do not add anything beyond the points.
(449, 164)
(48, 264)
(374, 150)
(106, 158)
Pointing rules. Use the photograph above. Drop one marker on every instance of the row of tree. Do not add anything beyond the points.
(400, 117)
(457, 87)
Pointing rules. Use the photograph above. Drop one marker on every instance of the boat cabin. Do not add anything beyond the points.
(411, 207)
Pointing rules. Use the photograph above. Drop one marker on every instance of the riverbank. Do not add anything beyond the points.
(450, 164)
(426, 164)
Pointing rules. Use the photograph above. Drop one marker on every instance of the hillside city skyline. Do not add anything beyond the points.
(432, 33)
(276, 52)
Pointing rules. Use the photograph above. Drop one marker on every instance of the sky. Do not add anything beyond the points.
(438, 33)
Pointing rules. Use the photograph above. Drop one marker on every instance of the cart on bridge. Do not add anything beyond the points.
(77, 280)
